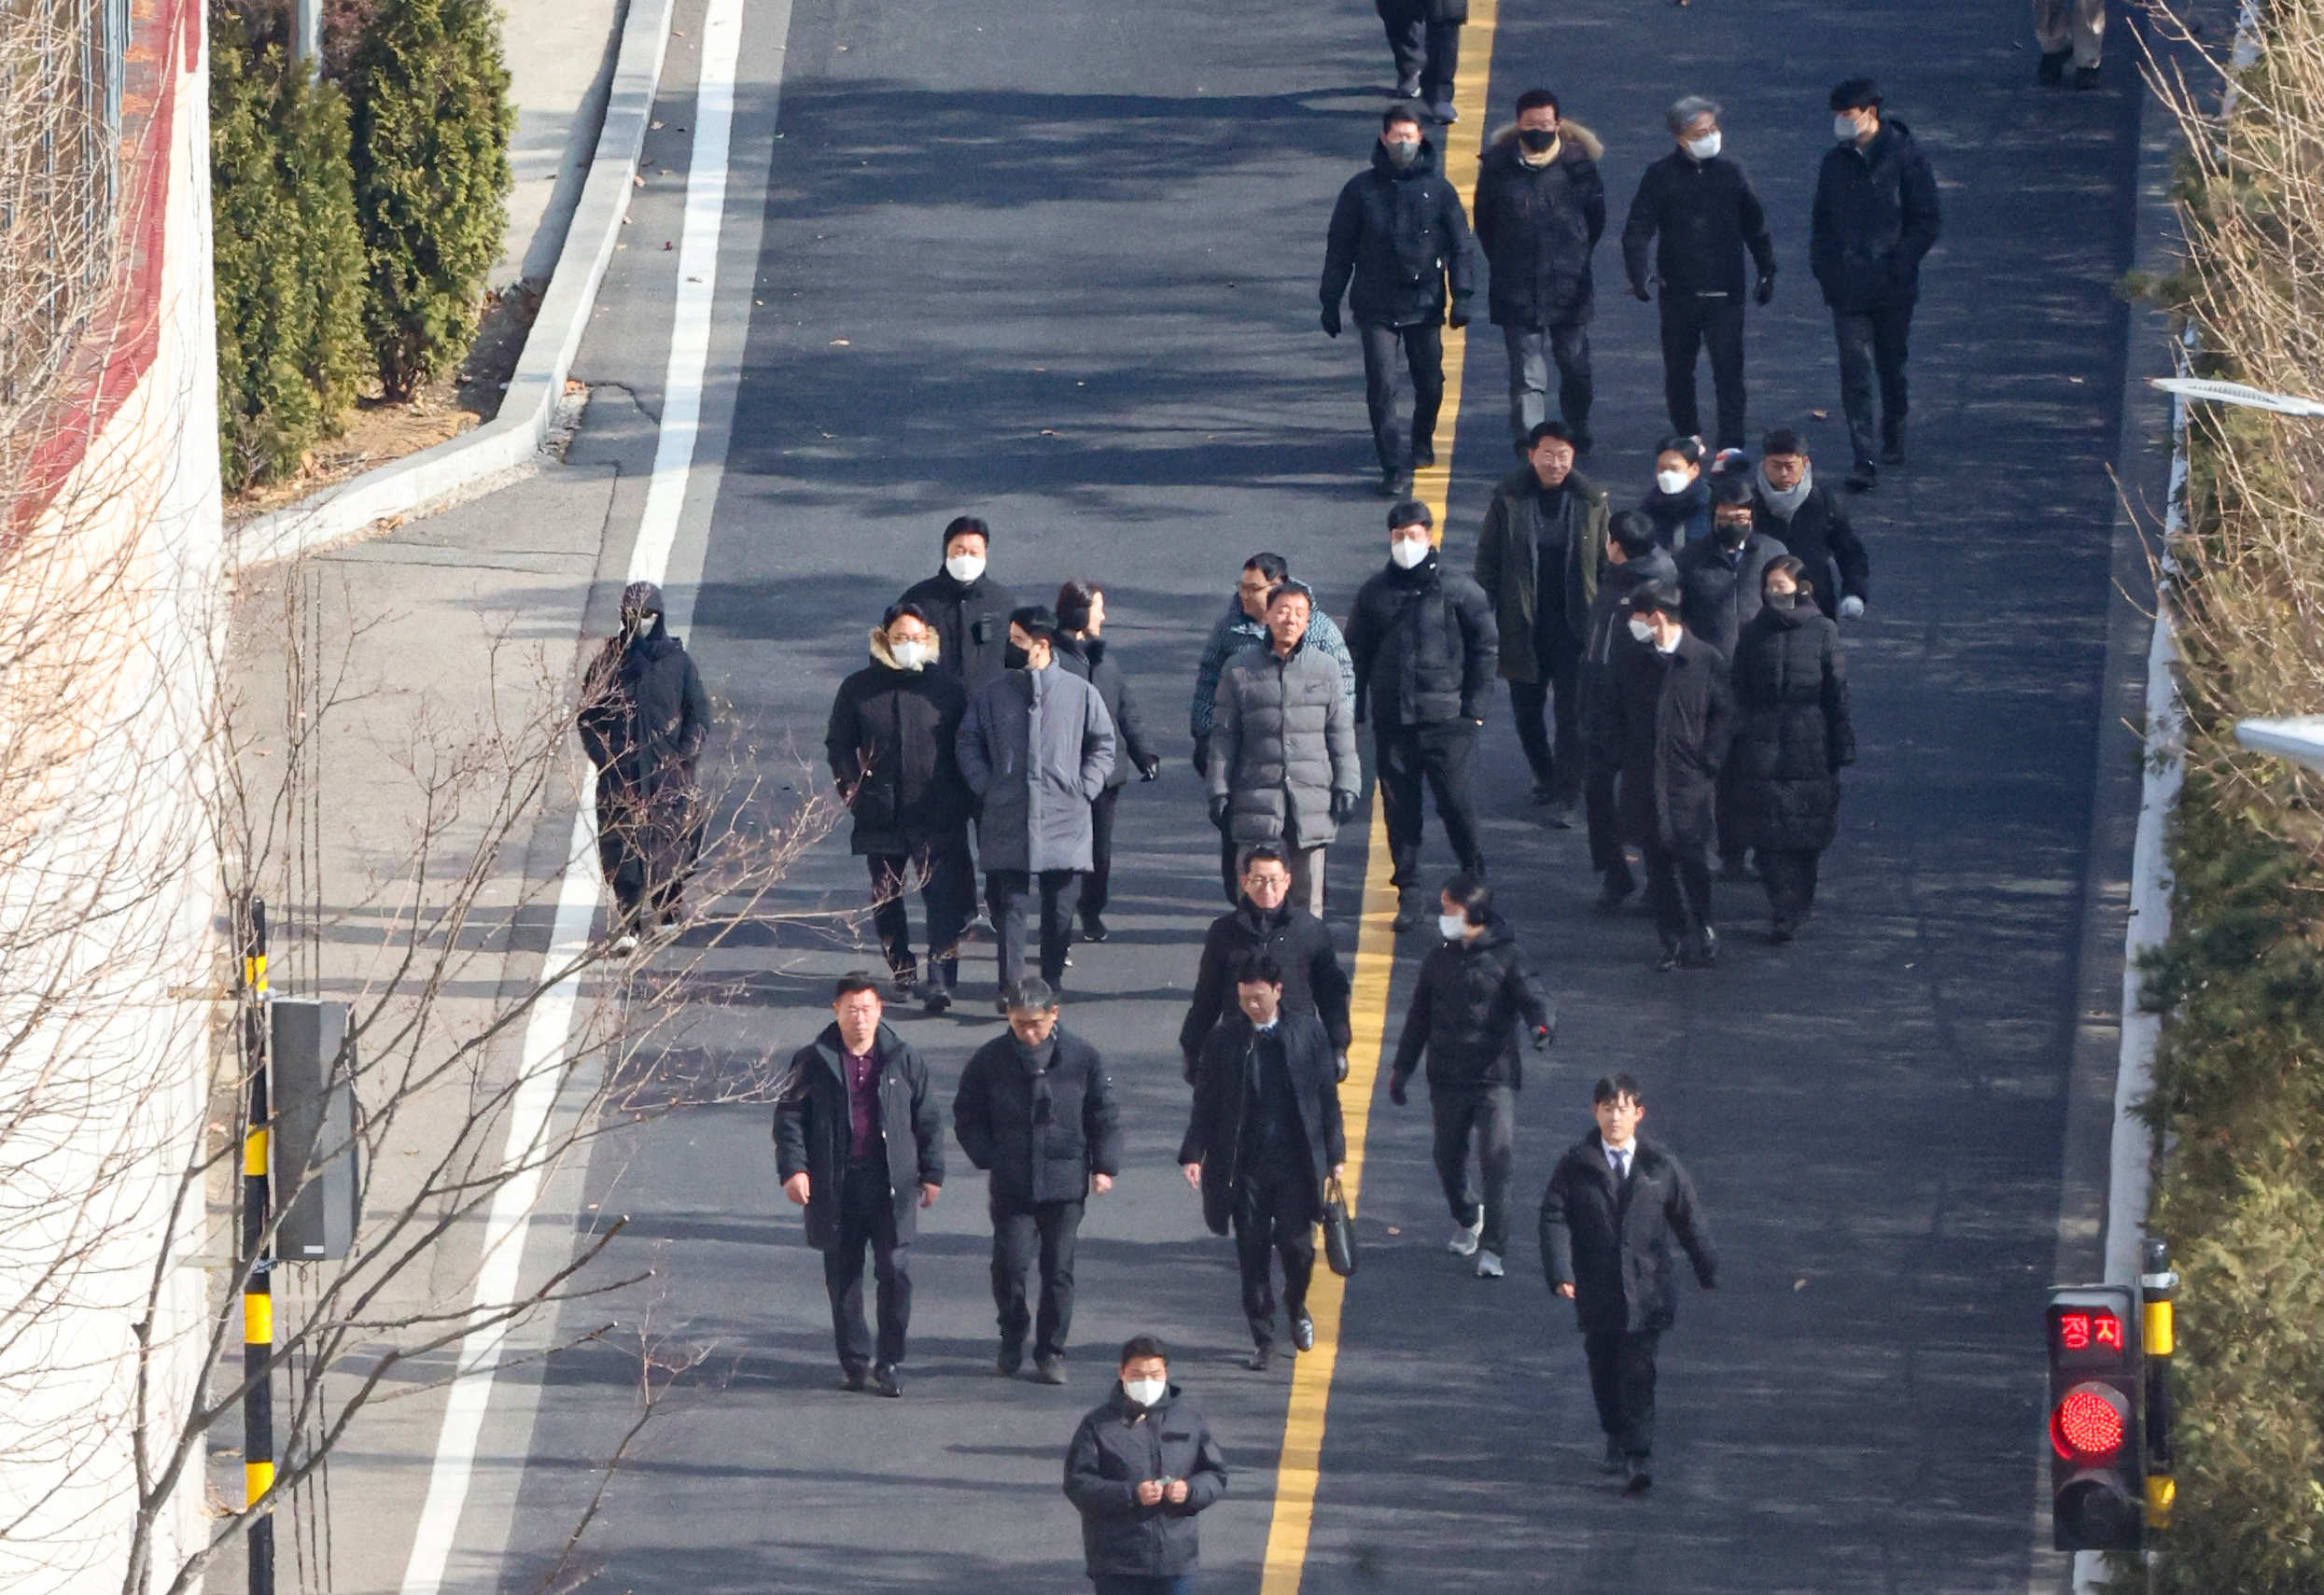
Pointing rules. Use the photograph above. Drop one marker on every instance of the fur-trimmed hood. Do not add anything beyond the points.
(882, 657)
(1575, 134)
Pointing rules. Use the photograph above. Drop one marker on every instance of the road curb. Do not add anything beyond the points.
(512, 440)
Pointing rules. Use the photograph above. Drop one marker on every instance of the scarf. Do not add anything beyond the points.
(1784, 506)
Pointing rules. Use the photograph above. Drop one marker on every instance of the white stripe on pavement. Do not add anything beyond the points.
(548, 1033)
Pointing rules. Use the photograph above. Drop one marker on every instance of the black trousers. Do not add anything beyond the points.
(1420, 351)
(1098, 885)
(1872, 343)
(1274, 1217)
(1488, 1114)
(1006, 894)
(1441, 755)
(1622, 1380)
(1790, 877)
(1598, 802)
(1023, 1233)
(1678, 889)
(1428, 52)
(1557, 764)
(867, 1217)
(948, 886)
(1531, 352)
(1691, 322)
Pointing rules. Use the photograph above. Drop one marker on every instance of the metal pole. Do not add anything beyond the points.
(306, 32)
(2159, 1285)
(258, 1293)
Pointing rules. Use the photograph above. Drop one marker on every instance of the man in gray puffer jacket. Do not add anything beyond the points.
(1283, 763)
(1036, 746)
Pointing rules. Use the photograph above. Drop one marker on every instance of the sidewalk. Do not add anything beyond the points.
(560, 55)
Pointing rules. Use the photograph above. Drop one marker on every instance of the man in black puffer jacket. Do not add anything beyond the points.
(1789, 504)
(969, 610)
(1267, 922)
(1141, 1467)
(1471, 993)
(1035, 1110)
(1400, 236)
(1540, 209)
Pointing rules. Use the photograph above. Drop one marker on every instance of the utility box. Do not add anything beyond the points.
(312, 1059)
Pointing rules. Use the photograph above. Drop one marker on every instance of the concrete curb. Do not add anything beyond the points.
(510, 442)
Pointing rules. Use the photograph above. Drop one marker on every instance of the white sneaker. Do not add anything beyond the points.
(1489, 1265)
(623, 945)
(1463, 1242)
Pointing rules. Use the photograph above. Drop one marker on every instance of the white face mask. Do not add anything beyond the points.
(1705, 148)
(1844, 129)
(1672, 482)
(908, 655)
(964, 567)
(1452, 927)
(1641, 630)
(1408, 551)
(1146, 1393)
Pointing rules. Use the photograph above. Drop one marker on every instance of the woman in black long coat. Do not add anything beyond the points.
(1792, 737)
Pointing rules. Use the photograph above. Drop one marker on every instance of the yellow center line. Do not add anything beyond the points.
(1299, 1471)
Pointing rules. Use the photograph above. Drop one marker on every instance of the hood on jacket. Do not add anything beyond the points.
(1090, 650)
(1423, 164)
(645, 598)
(1655, 564)
(881, 657)
(1572, 134)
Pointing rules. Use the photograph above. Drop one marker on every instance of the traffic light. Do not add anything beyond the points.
(317, 1159)
(2097, 1426)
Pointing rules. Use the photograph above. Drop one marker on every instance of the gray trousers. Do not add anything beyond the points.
(1531, 351)
(2079, 25)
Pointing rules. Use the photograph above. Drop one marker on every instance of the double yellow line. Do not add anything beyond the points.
(1300, 1469)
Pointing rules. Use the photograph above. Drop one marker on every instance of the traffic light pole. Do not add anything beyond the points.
(258, 1293)
(2158, 1289)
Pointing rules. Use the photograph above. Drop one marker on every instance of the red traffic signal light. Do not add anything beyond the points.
(2097, 1472)
(2090, 1424)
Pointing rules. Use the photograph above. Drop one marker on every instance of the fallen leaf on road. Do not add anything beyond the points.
(1800, 1284)
(1821, 415)
(839, 342)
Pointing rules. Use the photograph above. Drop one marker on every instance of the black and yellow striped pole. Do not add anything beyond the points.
(258, 1292)
(2158, 1285)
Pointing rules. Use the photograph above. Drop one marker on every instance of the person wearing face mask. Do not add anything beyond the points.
(1244, 625)
(1540, 208)
(1875, 217)
(1634, 556)
(1538, 553)
(1081, 649)
(1679, 504)
(969, 610)
(1399, 251)
(891, 741)
(643, 719)
(1140, 1469)
(1263, 1136)
(1470, 999)
(1718, 577)
(1613, 1206)
(1427, 648)
(1698, 209)
(1284, 770)
(1792, 739)
(1424, 36)
(1267, 922)
(1036, 746)
(1670, 714)
(1789, 504)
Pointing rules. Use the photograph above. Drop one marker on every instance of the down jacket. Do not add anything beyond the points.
(1819, 537)
(1537, 225)
(1613, 1243)
(892, 745)
(1086, 658)
(1402, 237)
(1282, 743)
(1301, 946)
(1035, 747)
(1465, 1010)
(1792, 734)
(1039, 1129)
(1118, 1446)
(972, 623)
(1235, 631)
(1424, 644)
(812, 1129)
(1670, 720)
(1875, 217)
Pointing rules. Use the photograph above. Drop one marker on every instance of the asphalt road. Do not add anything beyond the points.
(1054, 263)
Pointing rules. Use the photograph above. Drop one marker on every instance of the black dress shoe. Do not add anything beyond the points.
(1641, 1478)
(852, 1378)
(2048, 71)
(1049, 1370)
(1408, 918)
(1667, 959)
(1611, 896)
(1703, 953)
(2085, 77)
(1863, 478)
(1093, 930)
(935, 1000)
(884, 1381)
(1423, 453)
(1011, 1359)
(1892, 454)
(1611, 1463)
(1409, 88)
(1260, 1357)
(1561, 817)
(1303, 1331)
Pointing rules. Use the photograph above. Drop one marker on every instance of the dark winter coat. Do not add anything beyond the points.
(890, 743)
(1669, 719)
(1040, 1130)
(1609, 637)
(1223, 1090)
(1702, 216)
(1718, 591)
(971, 624)
(1424, 644)
(1035, 747)
(1118, 1446)
(1235, 631)
(813, 1130)
(1875, 217)
(1283, 741)
(1819, 537)
(1505, 563)
(1792, 734)
(644, 714)
(1680, 519)
(1086, 658)
(1402, 237)
(1466, 1003)
(1423, 10)
(1613, 1244)
(1537, 225)
(1314, 982)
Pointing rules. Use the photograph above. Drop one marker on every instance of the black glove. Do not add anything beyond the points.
(1219, 805)
(1396, 1090)
(1460, 317)
(1150, 768)
(1190, 1068)
(1202, 755)
(1640, 293)
(1343, 808)
(1766, 290)
(1331, 321)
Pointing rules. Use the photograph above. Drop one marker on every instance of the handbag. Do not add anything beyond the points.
(1340, 1237)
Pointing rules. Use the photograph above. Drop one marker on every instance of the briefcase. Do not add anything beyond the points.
(1339, 1240)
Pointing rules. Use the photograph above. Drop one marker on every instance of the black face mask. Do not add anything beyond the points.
(1015, 657)
(1783, 601)
(1732, 537)
(1536, 139)
(1402, 155)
